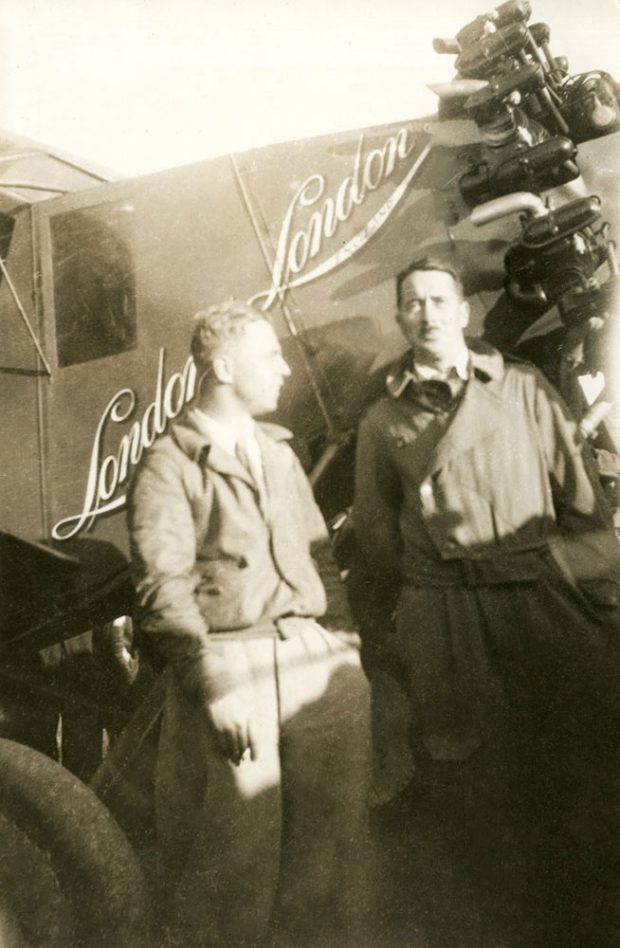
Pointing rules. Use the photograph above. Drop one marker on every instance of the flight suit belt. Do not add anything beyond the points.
(517, 567)
(285, 627)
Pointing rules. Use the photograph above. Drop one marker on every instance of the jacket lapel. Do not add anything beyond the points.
(274, 467)
(224, 463)
(479, 414)
(198, 447)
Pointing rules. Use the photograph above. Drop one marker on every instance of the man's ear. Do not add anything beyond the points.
(222, 369)
(465, 313)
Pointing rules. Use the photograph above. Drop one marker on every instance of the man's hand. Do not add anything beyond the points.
(229, 719)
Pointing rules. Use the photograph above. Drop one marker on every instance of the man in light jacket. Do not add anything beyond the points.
(262, 769)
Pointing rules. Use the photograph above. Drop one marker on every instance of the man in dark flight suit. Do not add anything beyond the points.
(481, 522)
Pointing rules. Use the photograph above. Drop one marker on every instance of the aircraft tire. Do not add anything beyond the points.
(98, 873)
(33, 909)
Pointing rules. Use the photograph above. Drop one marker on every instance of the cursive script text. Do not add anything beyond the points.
(107, 473)
(297, 247)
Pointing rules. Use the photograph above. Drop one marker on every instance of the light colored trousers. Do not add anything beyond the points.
(273, 851)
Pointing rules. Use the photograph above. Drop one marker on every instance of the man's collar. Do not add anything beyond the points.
(461, 367)
(408, 371)
(193, 439)
(220, 432)
(481, 360)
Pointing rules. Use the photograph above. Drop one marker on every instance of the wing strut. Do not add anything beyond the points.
(290, 322)
(22, 313)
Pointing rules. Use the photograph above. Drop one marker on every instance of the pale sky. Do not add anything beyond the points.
(141, 85)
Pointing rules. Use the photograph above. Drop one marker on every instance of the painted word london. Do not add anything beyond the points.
(297, 247)
(107, 474)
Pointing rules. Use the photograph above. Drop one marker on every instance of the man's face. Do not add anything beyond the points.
(432, 315)
(257, 368)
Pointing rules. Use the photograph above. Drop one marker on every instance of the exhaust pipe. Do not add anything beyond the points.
(521, 202)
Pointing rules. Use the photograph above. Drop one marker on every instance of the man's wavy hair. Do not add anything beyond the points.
(429, 263)
(212, 328)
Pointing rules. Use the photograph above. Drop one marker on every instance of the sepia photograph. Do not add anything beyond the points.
(309, 474)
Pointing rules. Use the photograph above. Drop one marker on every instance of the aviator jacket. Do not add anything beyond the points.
(505, 478)
(212, 554)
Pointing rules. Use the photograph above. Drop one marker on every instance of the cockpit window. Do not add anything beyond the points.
(94, 285)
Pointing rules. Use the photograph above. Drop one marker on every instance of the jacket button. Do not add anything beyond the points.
(426, 489)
